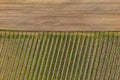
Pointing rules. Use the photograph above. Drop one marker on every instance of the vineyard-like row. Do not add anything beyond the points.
(59, 55)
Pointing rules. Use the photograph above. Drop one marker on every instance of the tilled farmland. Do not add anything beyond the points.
(59, 55)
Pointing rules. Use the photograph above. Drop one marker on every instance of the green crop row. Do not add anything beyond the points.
(59, 55)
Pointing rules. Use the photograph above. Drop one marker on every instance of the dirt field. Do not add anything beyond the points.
(60, 15)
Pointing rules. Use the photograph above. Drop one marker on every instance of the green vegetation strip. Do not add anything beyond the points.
(59, 55)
